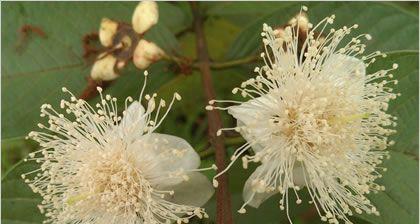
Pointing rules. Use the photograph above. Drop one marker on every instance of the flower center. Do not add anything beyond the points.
(316, 117)
(112, 179)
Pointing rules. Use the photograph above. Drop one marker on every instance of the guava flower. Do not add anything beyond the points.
(97, 166)
(316, 119)
(125, 43)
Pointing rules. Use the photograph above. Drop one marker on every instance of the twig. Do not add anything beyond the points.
(309, 215)
(176, 59)
(227, 64)
(184, 62)
(206, 153)
(228, 142)
(223, 203)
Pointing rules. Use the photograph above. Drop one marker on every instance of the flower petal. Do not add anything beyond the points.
(133, 122)
(249, 193)
(349, 70)
(254, 115)
(145, 16)
(194, 192)
(250, 138)
(164, 158)
(253, 195)
(299, 176)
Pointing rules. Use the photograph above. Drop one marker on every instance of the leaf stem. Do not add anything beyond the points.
(213, 65)
(178, 60)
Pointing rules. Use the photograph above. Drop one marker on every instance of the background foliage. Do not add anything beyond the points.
(36, 74)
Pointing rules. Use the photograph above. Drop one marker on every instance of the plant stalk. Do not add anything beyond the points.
(223, 202)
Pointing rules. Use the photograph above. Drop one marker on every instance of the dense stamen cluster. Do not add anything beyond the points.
(99, 167)
(315, 119)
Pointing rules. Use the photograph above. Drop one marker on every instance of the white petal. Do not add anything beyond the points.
(133, 122)
(349, 71)
(145, 16)
(159, 156)
(250, 138)
(299, 176)
(194, 192)
(107, 31)
(250, 193)
(103, 68)
(146, 53)
(255, 115)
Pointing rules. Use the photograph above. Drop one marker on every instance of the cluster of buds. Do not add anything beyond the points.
(301, 24)
(124, 42)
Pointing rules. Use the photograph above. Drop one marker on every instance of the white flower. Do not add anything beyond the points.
(100, 167)
(315, 119)
(124, 43)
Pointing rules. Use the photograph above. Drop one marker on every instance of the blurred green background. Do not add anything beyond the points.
(34, 74)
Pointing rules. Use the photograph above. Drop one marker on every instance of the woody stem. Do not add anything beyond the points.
(223, 202)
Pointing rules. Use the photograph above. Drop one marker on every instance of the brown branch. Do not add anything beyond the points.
(223, 203)
(309, 215)
(209, 151)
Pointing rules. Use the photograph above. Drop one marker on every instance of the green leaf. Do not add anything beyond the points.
(244, 13)
(399, 202)
(18, 202)
(391, 27)
(13, 150)
(405, 107)
(218, 43)
(35, 74)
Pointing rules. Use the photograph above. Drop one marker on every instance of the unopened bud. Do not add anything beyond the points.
(145, 16)
(107, 31)
(301, 20)
(103, 68)
(146, 53)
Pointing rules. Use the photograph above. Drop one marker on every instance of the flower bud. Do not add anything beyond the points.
(103, 69)
(301, 20)
(145, 16)
(107, 31)
(146, 53)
